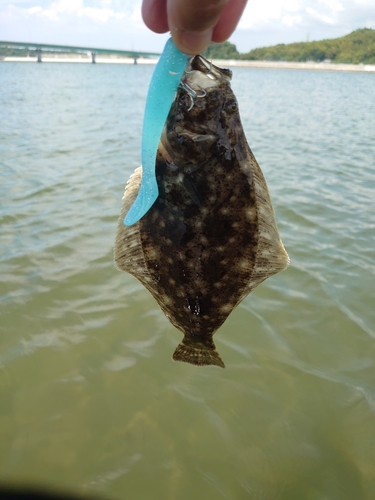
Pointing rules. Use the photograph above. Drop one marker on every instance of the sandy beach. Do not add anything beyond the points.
(86, 59)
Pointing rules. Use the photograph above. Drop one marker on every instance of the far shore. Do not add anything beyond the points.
(86, 59)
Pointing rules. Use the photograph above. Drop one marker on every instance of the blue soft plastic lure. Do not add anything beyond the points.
(164, 82)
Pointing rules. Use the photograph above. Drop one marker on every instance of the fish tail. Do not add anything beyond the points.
(198, 353)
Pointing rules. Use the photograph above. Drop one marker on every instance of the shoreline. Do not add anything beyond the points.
(323, 66)
(231, 63)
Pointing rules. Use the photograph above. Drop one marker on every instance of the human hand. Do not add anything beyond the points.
(193, 24)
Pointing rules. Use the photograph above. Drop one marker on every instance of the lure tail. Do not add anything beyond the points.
(198, 353)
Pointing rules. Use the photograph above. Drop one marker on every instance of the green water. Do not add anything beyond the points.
(90, 400)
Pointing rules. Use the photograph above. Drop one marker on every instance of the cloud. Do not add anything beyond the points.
(62, 9)
(333, 5)
(290, 20)
(33, 10)
(302, 12)
(319, 16)
(101, 15)
(67, 6)
(136, 15)
(262, 12)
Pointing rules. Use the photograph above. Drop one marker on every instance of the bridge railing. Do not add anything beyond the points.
(39, 47)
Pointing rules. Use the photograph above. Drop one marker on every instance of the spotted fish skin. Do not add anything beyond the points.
(211, 236)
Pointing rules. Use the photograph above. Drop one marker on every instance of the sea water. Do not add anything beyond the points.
(90, 400)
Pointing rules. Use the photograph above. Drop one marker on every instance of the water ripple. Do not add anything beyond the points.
(89, 397)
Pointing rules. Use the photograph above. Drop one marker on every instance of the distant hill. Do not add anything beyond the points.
(225, 50)
(357, 47)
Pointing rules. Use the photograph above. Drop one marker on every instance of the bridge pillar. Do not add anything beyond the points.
(39, 55)
(93, 57)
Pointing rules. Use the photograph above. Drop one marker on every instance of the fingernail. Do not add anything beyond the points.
(194, 42)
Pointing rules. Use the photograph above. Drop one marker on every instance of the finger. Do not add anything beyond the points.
(228, 20)
(192, 22)
(154, 13)
(194, 15)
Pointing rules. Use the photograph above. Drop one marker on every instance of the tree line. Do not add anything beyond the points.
(355, 48)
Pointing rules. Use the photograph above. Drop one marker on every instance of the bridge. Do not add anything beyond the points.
(39, 47)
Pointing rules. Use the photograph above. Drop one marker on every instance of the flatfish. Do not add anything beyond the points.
(211, 236)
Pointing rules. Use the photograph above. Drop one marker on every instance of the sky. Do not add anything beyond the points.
(118, 24)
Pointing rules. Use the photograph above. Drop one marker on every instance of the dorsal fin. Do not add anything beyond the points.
(128, 253)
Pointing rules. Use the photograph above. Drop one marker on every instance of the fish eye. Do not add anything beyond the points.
(231, 106)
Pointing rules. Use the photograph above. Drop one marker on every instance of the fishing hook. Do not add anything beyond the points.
(192, 93)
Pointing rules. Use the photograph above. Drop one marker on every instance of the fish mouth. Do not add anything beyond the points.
(200, 77)
(202, 65)
(193, 136)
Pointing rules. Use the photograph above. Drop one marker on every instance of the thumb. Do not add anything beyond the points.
(191, 22)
